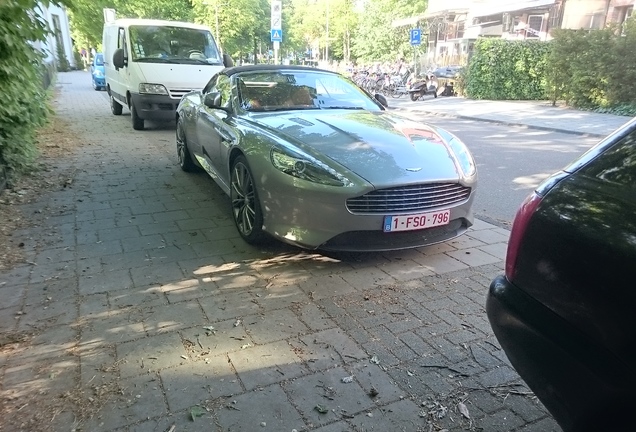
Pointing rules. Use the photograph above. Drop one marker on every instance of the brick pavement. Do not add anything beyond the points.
(147, 312)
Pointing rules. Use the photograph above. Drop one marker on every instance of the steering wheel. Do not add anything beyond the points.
(196, 54)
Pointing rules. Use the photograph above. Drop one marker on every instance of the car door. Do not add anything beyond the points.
(212, 133)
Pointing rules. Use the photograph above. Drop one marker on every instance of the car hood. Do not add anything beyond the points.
(381, 147)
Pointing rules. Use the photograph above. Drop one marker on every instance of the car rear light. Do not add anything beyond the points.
(519, 226)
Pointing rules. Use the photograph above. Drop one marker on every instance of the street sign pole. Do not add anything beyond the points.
(416, 39)
(276, 27)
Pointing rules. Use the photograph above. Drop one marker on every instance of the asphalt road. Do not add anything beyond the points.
(511, 161)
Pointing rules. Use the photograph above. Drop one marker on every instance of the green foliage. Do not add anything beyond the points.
(24, 106)
(376, 39)
(87, 16)
(63, 64)
(595, 70)
(507, 70)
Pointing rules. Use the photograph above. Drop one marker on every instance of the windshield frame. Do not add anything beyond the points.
(293, 89)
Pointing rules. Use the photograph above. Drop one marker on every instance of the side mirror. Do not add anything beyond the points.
(212, 100)
(227, 60)
(380, 98)
(119, 61)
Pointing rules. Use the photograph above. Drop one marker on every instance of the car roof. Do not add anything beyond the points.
(268, 67)
(126, 22)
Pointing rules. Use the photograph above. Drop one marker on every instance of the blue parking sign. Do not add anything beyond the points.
(416, 36)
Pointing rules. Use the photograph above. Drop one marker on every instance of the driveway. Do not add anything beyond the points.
(141, 309)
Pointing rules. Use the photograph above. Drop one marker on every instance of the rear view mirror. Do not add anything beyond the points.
(227, 60)
(380, 98)
(212, 100)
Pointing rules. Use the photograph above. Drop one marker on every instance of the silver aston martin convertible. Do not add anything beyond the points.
(309, 158)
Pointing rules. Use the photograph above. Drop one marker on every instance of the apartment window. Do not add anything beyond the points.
(535, 24)
(460, 30)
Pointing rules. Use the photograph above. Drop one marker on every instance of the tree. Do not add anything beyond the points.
(375, 38)
(23, 106)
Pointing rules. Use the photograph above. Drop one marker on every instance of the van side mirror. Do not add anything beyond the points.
(227, 60)
(119, 61)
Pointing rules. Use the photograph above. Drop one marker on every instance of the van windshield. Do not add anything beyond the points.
(168, 44)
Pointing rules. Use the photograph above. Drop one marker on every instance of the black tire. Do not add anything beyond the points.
(414, 96)
(246, 207)
(435, 94)
(115, 107)
(137, 122)
(183, 154)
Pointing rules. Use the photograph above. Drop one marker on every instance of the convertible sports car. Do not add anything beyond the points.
(311, 159)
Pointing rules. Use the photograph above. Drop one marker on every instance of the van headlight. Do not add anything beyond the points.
(158, 89)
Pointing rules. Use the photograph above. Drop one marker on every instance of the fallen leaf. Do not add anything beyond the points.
(321, 409)
(197, 411)
(463, 409)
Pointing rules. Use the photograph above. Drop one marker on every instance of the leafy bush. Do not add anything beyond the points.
(23, 106)
(594, 70)
(63, 64)
(507, 70)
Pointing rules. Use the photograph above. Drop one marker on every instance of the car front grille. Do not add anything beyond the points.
(178, 93)
(414, 198)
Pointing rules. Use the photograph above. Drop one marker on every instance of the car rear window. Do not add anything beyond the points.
(617, 164)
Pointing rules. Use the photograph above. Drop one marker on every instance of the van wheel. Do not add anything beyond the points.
(137, 122)
(115, 107)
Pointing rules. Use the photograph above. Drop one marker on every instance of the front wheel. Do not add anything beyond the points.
(183, 154)
(115, 107)
(137, 122)
(414, 96)
(246, 209)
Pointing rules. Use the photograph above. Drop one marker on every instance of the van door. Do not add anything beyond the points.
(119, 81)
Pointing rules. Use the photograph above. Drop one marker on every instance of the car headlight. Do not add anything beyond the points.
(159, 89)
(306, 167)
(463, 157)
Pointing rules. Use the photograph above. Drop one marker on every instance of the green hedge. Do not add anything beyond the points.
(24, 100)
(507, 70)
(593, 70)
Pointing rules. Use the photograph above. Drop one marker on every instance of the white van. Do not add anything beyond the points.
(150, 64)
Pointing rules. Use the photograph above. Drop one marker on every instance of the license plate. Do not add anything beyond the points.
(416, 221)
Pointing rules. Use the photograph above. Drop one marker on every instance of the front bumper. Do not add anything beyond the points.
(581, 383)
(317, 218)
(154, 107)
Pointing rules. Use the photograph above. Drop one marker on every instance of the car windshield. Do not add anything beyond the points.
(99, 60)
(166, 44)
(279, 90)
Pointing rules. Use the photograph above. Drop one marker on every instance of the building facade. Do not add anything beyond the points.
(59, 35)
(452, 26)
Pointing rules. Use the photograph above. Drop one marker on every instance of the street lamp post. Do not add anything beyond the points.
(216, 19)
(216, 12)
(327, 33)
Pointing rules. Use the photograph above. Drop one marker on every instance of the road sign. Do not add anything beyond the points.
(277, 35)
(276, 15)
(416, 36)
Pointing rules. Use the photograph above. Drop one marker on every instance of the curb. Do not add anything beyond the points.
(504, 123)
